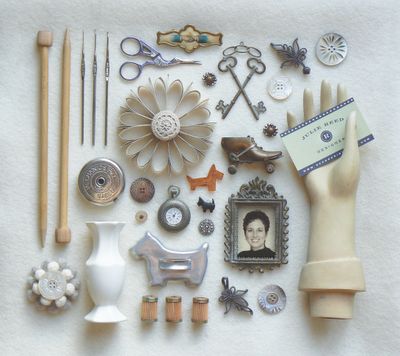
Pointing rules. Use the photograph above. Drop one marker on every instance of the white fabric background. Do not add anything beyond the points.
(371, 73)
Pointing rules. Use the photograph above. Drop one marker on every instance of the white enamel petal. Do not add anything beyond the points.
(196, 116)
(188, 102)
(160, 158)
(146, 95)
(160, 93)
(198, 108)
(198, 143)
(189, 153)
(175, 157)
(129, 118)
(203, 130)
(134, 104)
(135, 147)
(135, 132)
(174, 95)
(145, 155)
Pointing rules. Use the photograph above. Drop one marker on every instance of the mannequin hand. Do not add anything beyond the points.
(340, 177)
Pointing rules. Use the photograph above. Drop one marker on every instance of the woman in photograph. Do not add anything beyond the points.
(256, 226)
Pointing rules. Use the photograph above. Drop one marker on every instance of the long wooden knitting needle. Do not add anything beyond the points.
(63, 233)
(44, 41)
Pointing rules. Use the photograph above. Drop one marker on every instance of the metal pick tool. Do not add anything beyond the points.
(83, 90)
(107, 76)
(256, 66)
(94, 91)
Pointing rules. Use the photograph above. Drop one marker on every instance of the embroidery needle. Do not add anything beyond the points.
(83, 90)
(107, 76)
(94, 91)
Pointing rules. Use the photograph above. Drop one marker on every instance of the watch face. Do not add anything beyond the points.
(173, 216)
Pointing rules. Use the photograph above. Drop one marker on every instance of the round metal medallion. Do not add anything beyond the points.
(101, 181)
(331, 49)
(174, 214)
(206, 227)
(142, 190)
(52, 285)
(280, 88)
(272, 299)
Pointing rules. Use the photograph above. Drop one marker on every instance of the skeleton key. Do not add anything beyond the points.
(256, 66)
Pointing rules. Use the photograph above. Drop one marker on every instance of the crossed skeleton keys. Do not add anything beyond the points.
(256, 66)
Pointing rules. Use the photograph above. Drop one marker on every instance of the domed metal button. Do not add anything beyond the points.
(280, 88)
(101, 181)
(206, 227)
(331, 49)
(142, 190)
(272, 299)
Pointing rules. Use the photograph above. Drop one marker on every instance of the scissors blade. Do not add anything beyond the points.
(184, 61)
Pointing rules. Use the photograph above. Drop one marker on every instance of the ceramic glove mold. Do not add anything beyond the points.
(333, 273)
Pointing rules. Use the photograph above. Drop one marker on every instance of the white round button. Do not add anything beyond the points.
(280, 88)
(331, 49)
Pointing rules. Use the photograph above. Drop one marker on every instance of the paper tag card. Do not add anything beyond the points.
(320, 140)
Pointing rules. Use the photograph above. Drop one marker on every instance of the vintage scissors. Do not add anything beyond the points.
(143, 49)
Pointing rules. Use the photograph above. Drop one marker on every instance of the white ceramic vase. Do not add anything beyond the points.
(105, 272)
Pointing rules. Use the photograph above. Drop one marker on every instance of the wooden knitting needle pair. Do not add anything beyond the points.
(45, 40)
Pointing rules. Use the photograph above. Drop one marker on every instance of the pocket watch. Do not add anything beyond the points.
(174, 214)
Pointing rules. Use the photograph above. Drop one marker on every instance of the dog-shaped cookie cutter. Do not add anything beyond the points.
(164, 265)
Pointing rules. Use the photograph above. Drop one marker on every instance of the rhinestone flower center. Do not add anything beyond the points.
(165, 125)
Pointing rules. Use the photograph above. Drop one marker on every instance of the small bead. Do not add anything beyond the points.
(61, 301)
(39, 273)
(67, 273)
(69, 289)
(53, 266)
(45, 301)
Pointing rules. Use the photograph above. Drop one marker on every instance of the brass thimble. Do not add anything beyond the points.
(149, 308)
(173, 306)
(200, 310)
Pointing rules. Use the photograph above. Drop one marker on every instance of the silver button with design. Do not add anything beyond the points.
(272, 299)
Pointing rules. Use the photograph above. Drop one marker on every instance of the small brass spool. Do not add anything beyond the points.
(149, 308)
(173, 306)
(200, 310)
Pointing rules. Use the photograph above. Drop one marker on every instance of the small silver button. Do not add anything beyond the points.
(331, 49)
(206, 227)
(272, 299)
(280, 88)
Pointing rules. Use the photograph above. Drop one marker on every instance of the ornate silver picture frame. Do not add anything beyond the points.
(256, 227)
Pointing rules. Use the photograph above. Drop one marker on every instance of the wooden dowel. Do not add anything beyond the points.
(44, 41)
(63, 233)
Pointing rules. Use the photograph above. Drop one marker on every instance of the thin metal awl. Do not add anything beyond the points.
(83, 90)
(94, 91)
(107, 76)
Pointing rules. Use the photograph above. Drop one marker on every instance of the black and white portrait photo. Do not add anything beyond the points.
(256, 234)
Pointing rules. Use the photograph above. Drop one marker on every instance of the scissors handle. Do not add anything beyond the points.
(134, 67)
(143, 49)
